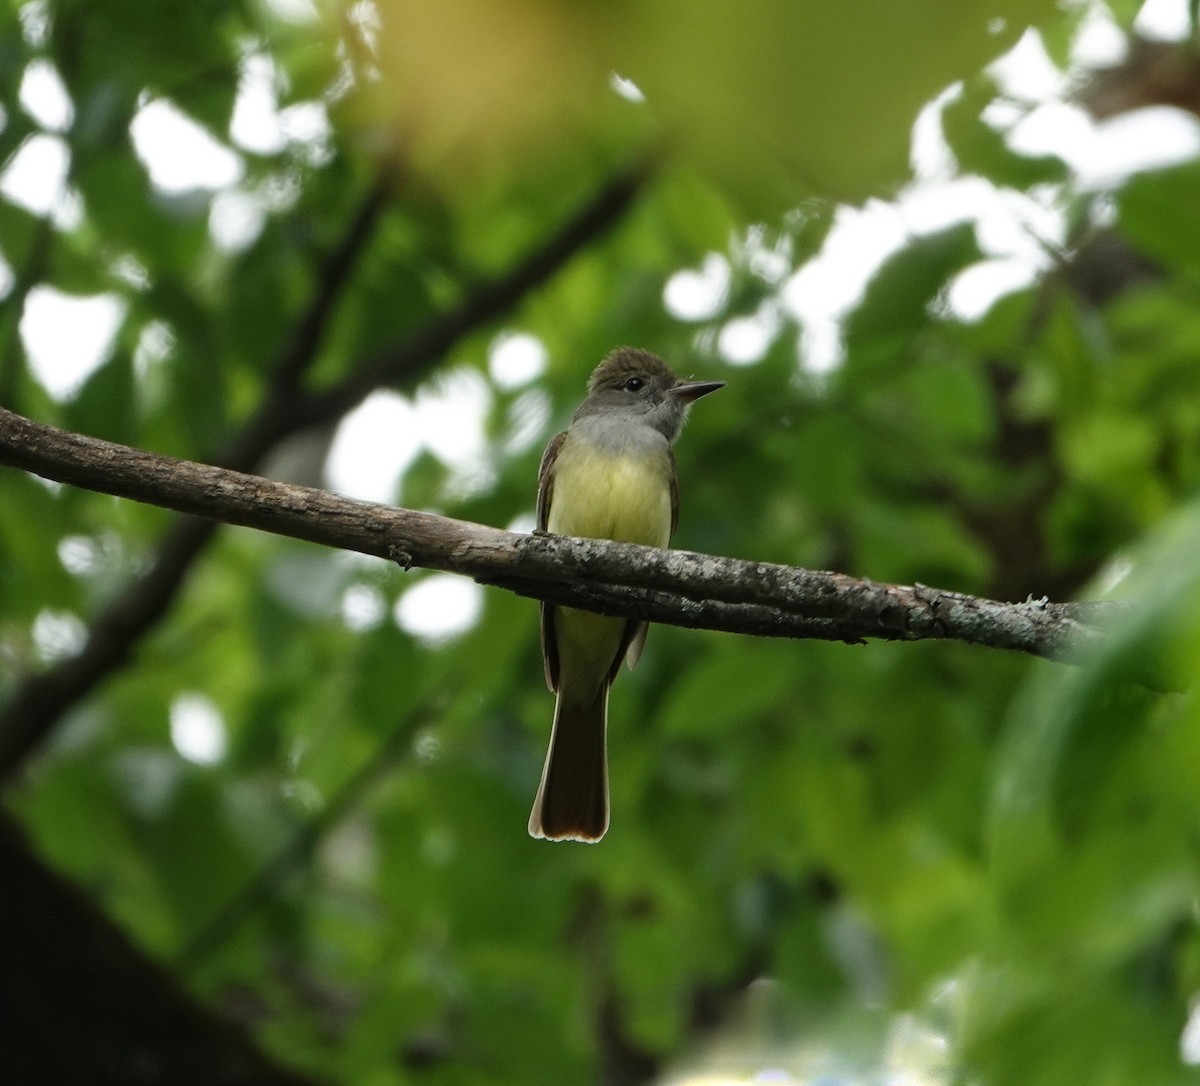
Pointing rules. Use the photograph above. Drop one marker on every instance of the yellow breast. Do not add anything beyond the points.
(603, 495)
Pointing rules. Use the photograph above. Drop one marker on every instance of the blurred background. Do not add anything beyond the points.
(947, 259)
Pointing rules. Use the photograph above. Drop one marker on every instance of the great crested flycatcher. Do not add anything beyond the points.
(610, 475)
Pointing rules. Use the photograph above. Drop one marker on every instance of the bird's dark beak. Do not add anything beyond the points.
(687, 391)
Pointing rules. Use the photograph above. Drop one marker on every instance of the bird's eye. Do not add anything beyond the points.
(634, 384)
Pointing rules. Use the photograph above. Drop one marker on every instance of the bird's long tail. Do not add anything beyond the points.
(572, 800)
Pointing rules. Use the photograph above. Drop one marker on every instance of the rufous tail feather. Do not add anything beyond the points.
(572, 800)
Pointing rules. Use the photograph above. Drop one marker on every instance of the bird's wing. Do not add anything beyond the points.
(546, 480)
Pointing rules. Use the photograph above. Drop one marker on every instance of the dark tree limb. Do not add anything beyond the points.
(82, 1005)
(676, 587)
(287, 409)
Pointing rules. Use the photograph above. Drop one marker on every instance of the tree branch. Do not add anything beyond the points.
(676, 587)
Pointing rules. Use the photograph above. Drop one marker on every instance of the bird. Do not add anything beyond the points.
(610, 475)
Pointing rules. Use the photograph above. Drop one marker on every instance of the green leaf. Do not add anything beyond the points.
(980, 149)
(105, 405)
(1157, 212)
(895, 307)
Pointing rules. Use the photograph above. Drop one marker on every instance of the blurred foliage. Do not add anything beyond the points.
(895, 853)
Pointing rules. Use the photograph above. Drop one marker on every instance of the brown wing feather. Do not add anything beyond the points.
(544, 496)
(546, 480)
